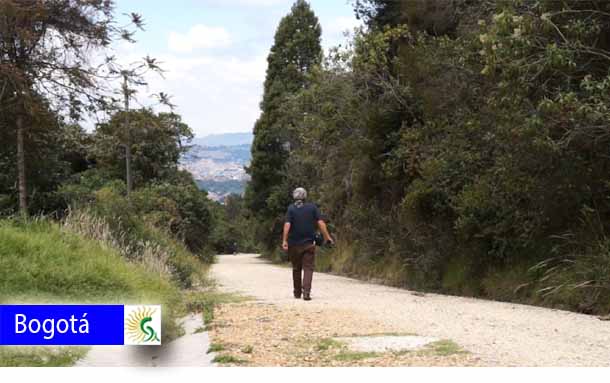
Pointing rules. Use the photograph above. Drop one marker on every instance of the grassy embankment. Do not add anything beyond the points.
(43, 262)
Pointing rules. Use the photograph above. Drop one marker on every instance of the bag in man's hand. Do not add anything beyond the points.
(284, 257)
(318, 239)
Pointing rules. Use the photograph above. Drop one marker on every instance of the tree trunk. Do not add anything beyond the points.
(23, 192)
(128, 166)
(129, 180)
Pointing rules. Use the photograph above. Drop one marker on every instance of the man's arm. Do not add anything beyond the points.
(285, 236)
(324, 230)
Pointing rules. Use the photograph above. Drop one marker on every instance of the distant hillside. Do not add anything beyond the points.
(225, 139)
(219, 168)
(219, 190)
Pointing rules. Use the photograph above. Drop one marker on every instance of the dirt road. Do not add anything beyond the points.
(497, 334)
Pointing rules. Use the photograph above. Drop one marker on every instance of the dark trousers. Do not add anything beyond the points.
(302, 258)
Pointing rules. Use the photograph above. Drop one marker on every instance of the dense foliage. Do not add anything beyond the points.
(157, 143)
(234, 228)
(462, 146)
(47, 74)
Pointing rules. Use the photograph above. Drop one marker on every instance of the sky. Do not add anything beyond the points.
(215, 51)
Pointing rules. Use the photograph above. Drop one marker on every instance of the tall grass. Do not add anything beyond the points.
(579, 278)
(153, 257)
(154, 250)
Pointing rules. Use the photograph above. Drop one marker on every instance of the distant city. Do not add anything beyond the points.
(218, 163)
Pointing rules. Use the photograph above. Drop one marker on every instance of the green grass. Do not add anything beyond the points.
(351, 356)
(40, 263)
(40, 357)
(216, 347)
(247, 350)
(339, 351)
(444, 348)
(228, 359)
(155, 250)
(206, 301)
(328, 343)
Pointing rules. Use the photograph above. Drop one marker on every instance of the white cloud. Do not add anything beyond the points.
(213, 93)
(199, 36)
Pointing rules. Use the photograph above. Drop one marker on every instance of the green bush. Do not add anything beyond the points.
(182, 209)
(179, 209)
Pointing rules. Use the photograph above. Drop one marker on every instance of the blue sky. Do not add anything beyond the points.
(215, 53)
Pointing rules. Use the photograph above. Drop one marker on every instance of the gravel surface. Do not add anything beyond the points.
(259, 334)
(386, 343)
(501, 334)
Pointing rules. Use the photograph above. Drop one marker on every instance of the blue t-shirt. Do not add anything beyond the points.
(303, 222)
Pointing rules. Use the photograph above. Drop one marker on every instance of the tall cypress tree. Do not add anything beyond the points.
(296, 50)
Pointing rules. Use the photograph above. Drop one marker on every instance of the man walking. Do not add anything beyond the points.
(299, 241)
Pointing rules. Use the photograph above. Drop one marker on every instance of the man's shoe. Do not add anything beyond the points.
(306, 297)
(297, 296)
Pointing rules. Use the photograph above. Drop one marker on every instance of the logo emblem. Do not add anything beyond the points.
(143, 325)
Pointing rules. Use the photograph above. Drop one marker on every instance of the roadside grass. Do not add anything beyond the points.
(43, 263)
(334, 349)
(228, 359)
(329, 343)
(216, 347)
(444, 347)
(247, 349)
(205, 302)
(339, 351)
(41, 357)
(352, 356)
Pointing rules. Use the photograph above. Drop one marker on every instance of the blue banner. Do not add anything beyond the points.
(62, 325)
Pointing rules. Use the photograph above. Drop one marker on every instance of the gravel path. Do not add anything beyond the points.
(498, 333)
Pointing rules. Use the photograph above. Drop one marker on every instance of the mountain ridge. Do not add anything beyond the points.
(224, 139)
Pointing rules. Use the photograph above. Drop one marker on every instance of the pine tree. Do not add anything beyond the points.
(295, 52)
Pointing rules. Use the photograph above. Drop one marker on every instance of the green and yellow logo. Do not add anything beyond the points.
(143, 325)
